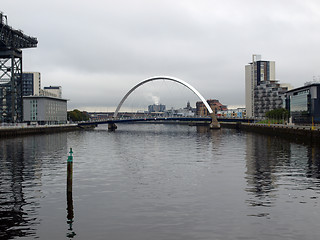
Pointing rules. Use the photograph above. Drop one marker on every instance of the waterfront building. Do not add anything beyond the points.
(187, 111)
(268, 95)
(156, 108)
(232, 113)
(303, 103)
(215, 105)
(44, 110)
(31, 83)
(182, 112)
(263, 92)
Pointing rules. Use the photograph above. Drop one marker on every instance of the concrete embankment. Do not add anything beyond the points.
(29, 130)
(293, 132)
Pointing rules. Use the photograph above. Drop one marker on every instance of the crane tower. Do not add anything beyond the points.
(11, 43)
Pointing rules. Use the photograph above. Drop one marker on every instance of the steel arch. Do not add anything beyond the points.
(163, 78)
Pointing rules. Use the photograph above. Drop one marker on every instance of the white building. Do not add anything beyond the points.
(184, 112)
(44, 110)
(256, 72)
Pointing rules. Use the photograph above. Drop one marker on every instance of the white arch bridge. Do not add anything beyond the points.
(112, 122)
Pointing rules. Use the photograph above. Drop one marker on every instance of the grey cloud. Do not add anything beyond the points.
(102, 48)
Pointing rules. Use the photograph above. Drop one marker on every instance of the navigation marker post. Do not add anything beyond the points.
(70, 213)
(69, 171)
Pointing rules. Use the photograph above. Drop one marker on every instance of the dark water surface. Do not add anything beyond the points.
(159, 182)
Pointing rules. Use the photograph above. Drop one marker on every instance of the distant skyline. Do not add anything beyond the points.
(98, 50)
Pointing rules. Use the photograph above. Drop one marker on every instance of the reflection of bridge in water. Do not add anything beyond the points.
(212, 119)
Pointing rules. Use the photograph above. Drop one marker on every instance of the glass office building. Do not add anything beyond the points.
(304, 104)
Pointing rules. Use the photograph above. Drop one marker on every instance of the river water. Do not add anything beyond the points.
(148, 181)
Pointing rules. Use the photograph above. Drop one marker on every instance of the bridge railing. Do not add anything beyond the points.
(144, 117)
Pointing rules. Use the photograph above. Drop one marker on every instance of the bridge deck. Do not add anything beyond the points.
(161, 119)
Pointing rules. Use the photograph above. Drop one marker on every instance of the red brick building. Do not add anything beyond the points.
(215, 105)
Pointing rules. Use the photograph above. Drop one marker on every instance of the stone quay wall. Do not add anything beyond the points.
(292, 132)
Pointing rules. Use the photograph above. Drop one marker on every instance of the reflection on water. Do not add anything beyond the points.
(13, 220)
(21, 164)
(263, 156)
(275, 165)
(159, 182)
(70, 215)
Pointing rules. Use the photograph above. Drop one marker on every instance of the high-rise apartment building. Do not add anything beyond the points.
(31, 83)
(263, 92)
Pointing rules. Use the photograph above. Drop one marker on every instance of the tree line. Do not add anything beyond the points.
(279, 113)
(76, 115)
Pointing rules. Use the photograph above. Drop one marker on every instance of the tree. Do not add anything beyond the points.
(76, 115)
(279, 113)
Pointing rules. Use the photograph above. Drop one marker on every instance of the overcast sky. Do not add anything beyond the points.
(97, 50)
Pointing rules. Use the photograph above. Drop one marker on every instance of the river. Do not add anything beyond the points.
(147, 181)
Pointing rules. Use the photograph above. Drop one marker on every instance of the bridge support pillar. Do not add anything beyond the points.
(214, 122)
(112, 126)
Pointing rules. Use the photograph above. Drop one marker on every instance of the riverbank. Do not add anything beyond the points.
(12, 131)
(292, 132)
